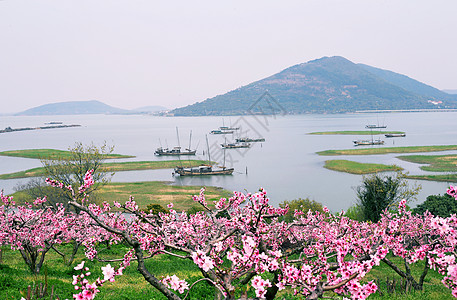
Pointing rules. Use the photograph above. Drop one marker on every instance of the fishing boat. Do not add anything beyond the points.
(176, 151)
(235, 145)
(203, 170)
(206, 169)
(368, 142)
(389, 135)
(228, 128)
(219, 131)
(375, 126)
(249, 140)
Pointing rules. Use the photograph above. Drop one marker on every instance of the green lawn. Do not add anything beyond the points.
(385, 150)
(50, 154)
(115, 167)
(436, 163)
(354, 132)
(358, 168)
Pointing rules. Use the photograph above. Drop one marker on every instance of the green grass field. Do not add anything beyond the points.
(353, 132)
(436, 163)
(385, 150)
(149, 192)
(115, 167)
(451, 178)
(50, 154)
(15, 277)
(358, 168)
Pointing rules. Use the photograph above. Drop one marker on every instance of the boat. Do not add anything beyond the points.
(204, 170)
(176, 151)
(368, 142)
(218, 131)
(225, 128)
(375, 126)
(389, 135)
(249, 140)
(235, 145)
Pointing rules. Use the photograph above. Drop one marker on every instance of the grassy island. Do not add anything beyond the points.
(436, 163)
(358, 168)
(352, 132)
(386, 150)
(50, 154)
(116, 167)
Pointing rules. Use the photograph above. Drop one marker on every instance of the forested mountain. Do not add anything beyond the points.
(327, 85)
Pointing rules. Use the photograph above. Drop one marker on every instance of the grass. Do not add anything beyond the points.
(382, 150)
(358, 168)
(145, 193)
(50, 154)
(158, 192)
(443, 178)
(436, 163)
(115, 167)
(352, 132)
(15, 277)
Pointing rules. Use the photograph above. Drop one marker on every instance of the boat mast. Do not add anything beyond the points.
(177, 134)
(190, 140)
(207, 146)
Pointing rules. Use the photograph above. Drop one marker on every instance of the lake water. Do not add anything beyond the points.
(286, 165)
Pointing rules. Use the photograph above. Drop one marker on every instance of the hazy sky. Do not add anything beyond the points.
(172, 53)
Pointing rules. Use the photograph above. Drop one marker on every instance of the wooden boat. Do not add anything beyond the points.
(218, 131)
(375, 126)
(204, 170)
(368, 142)
(174, 152)
(389, 135)
(249, 140)
(228, 128)
(235, 145)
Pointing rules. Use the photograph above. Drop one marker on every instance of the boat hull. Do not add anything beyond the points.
(163, 153)
(368, 143)
(192, 172)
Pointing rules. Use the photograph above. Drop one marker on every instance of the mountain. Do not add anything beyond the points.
(408, 83)
(325, 85)
(73, 108)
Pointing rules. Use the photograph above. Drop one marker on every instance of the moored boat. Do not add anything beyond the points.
(249, 140)
(203, 170)
(368, 142)
(235, 145)
(174, 152)
(389, 135)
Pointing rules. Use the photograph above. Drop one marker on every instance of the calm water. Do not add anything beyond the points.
(285, 165)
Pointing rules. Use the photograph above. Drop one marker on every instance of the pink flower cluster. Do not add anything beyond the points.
(88, 291)
(176, 284)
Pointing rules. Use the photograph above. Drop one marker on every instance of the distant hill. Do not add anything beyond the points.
(326, 85)
(150, 109)
(73, 108)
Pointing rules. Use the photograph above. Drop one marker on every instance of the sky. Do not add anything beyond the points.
(134, 53)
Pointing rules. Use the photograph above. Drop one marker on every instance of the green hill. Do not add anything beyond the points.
(326, 85)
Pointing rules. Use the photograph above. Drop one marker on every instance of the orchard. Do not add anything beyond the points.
(238, 244)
